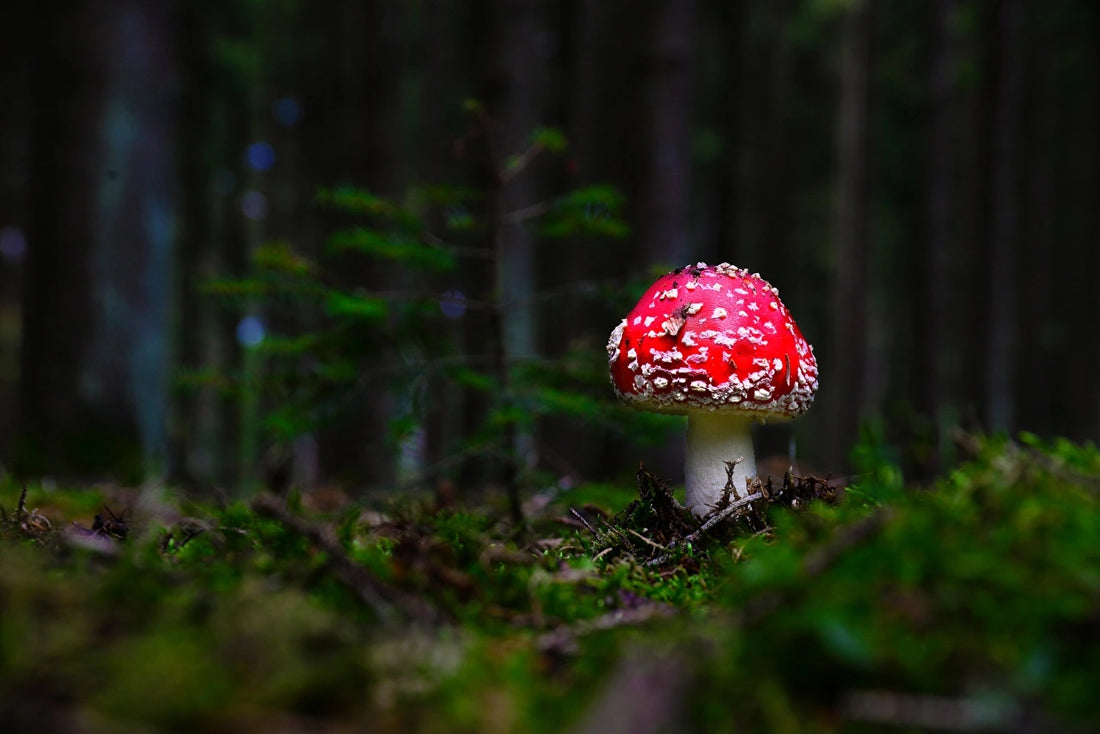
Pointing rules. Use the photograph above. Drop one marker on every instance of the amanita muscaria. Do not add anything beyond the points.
(716, 344)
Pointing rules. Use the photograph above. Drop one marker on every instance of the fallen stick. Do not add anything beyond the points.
(388, 603)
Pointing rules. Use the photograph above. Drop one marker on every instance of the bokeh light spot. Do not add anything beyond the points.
(254, 204)
(250, 331)
(453, 304)
(260, 156)
(287, 111)
(13, 244)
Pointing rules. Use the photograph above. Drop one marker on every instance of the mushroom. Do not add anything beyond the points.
(716, 344)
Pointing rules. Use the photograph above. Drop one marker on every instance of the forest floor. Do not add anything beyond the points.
(972, 604)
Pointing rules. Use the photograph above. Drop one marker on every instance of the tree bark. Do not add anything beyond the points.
(932, 341)
(844, 386)
(375, 146)
(14, 141)
(1004, 226)
(515, 85)
(96, 345)
(664, 236)
(1047, 406)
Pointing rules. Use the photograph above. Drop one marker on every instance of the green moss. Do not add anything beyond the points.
(981, 591)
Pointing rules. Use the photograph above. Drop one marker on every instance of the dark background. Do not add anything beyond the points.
(919, 179)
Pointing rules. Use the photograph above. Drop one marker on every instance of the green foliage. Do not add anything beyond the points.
(593, 210)
(187, 636)
(357, 201)
(389, 246)
(550, 139)
(368, 314)
(354, 306)
(982, 588)
(976, 599)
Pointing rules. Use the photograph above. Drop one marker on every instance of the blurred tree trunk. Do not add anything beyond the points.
(722, 26)
(198, 440)
(649, 113)
(768, 180)
(372, 70)
(1067, 108)
(15, 133)
(101, 232)
(972, 152)
(598, 50)
(1082, 187)
(515, 87)
(66, 90)
(747, 129)
(1038, 407)
(844, 384)
(932, 331)
(211, 438)
(442, 80)
(1004, 245)
(665, 173)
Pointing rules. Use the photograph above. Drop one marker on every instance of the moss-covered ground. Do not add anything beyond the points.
(972, 604)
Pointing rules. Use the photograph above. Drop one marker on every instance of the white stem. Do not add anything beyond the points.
(712, 440)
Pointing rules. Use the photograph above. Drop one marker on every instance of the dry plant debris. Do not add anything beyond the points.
(109, 526)
(655, 529)
(29, 524)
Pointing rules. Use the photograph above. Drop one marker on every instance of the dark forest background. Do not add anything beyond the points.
(919, 179)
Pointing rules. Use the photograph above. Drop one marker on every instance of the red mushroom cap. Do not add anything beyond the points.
(713, 338)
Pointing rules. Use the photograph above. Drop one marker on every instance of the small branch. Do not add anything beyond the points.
(388, 603)
(710, 523)
(730, 488)
(564, 638)
(584, 520)
(647, 541)
(21, 508)
(521, 162)
(434, 240)
(724, 514)
(526, 213)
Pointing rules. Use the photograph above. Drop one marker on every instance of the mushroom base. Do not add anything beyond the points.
(712, 440)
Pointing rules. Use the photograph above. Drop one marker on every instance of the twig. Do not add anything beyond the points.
(520, 162)
(433, 240)
(387, 602)
(724, 514)
(647, 541)
(711, 522)
(21, 508)
(528, 212)
(729, 489)
(603, 553)
(565, 637)
(584, 520)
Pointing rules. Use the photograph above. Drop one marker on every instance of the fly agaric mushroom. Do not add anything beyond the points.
(716, 344)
